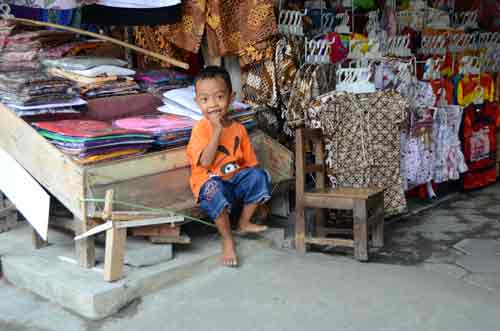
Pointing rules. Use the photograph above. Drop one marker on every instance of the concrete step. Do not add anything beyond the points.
(52, 273)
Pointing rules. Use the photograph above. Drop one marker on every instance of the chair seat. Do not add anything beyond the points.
(346, 192)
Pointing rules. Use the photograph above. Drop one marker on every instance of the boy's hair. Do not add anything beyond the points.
(211, 72)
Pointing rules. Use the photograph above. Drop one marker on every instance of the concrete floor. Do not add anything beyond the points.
(417, 282)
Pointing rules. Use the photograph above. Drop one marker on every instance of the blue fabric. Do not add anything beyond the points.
(249, 185)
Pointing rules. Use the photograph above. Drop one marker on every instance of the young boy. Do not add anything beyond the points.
(224, 173)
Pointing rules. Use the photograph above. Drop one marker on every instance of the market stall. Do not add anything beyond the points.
(404, 94)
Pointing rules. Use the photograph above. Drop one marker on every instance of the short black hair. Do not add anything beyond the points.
(211, 72)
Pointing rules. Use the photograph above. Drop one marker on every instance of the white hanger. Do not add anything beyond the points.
(466, 19)
(342, 21)
(432, 69)
(290, 22)
(317, 51)
(354, 80)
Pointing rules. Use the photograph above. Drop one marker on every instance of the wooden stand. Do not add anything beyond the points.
(116, 225)
(367, 204)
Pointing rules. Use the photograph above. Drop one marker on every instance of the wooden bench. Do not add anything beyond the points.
(367, 204)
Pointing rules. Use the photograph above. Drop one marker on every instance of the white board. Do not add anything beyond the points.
(25, 193)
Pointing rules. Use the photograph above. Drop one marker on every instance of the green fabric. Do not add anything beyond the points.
(365, 4)
(55, 136)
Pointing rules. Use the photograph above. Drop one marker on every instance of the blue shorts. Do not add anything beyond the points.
(249, 185)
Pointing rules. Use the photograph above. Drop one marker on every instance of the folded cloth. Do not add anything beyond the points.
(26, 100)
(82, 128)
(118, 87)
(75, 139)
(82, 62)
(109, 156)
(88, 145)
(18, 55)
(103, 150)
(73, 103)
(79, 79)
(163, 76)
(16, 81)
(104, 70)
(156, 124)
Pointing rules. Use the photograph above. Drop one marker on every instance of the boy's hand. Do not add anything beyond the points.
(215, 119)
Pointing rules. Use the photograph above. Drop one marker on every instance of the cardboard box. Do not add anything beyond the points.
(273, 156)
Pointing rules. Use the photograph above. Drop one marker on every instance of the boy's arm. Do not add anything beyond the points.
(209, 152)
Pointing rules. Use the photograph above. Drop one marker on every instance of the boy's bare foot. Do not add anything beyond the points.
(228, 257)
(250, 228)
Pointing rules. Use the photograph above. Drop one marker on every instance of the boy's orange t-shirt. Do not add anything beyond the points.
(234, 152)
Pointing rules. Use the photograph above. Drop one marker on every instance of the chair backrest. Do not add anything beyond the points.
(302, 137)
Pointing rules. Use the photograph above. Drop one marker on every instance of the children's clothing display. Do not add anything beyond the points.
(363, 132)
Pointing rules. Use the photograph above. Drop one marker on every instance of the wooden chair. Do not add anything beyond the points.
(367, 204)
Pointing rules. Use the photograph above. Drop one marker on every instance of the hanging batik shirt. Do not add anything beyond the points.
(363, 141)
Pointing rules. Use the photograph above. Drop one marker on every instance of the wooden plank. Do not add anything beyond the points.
(114, 254)
(348, 192)
(314, 134)
(168, 190)
(153, 221)
(85, 248)
(160, 230)
(378, 229)
(52, 168)
(127, 215)
(299, 215)
(274, 157)
(95, 230)
(331, 242)
(108, 205)
(329, 231)
(138, 166)
(327, 202)
(182, 239)
(360, 230)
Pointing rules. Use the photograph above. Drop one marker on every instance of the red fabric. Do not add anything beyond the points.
(338, 51)
(480, 145)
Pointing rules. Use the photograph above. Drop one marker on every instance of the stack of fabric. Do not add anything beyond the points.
(160, 81)
(168, 130)
(20, 48)
(90, 141)
(182, 102)
(96, 77)
(34, 92)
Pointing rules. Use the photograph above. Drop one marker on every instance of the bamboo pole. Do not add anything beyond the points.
(170, 60)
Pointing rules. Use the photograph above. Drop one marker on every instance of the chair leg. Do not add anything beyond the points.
(360, 230)
(300, 230)
(378, 228)
(320, 220)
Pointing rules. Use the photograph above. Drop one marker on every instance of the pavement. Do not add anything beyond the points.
(439, 271)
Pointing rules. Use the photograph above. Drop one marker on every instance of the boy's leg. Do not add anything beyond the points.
(244, 224)
(251, 187)
(216, 200)
(228, 257)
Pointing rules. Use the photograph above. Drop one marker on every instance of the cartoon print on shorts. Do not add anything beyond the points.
(229, 167)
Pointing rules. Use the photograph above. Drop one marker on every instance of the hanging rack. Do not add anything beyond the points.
(5, 13)
(290, 22)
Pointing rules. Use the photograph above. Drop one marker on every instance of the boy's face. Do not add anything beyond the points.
(212, 95)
